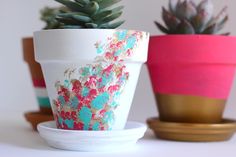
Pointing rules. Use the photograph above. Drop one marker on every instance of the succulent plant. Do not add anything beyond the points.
(185, 17)
(48, 15)
(90, 14)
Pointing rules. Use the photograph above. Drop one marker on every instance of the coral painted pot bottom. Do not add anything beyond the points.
(190, 109)
(193, 132)
(34, 118)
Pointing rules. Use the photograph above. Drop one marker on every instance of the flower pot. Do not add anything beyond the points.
(91, 75)
(192, 76)
(37, 76)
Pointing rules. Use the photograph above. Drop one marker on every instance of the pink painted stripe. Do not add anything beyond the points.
(192, 65)
(192, 49)
(39, 83)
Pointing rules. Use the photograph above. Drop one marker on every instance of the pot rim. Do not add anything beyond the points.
(203, 49)
(64, 30)
(192, 36)
(27, 38)
(74, 44)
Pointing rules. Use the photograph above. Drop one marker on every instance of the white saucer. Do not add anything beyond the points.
(91, 140)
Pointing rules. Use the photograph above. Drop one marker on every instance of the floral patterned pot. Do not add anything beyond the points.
(91, 75)
(37, 76)
(192, 76)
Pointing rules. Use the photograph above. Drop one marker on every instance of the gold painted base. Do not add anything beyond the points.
(190, 109)
(191, 132)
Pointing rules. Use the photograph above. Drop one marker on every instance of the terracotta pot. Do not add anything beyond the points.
(36, 75)
(34, 118)
(192, 76)
(91, 81)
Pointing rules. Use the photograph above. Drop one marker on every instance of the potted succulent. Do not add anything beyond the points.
(91, 69)
(192, 68)
(45, 113)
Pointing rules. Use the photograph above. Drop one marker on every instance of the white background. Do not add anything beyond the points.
(20, 18)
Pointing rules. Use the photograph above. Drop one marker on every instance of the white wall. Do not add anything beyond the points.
(19, 18)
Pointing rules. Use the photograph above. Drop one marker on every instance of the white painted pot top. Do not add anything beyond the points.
(75, 44)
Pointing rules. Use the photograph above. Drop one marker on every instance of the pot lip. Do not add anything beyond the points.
(210, 49)
(192, 36)
(84, 30)
(27, 38)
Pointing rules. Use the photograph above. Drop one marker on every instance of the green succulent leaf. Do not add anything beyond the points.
(185, 28)
(111, 17)
(205, 11)
(162, 28)
(82, 18)
(91, 8)
(83, 2)
(225, 34)
(222, 23)
(102, 14)
(91, 25)
(67, 21)
(116, 24)
(90, 13)
(211, 29)
(200, 22)
(185, 17)
(48, 15)
(186, 10)
(171, 21)
(117, 9)
(74, 6)
(71, 14)
(103, 4)
(172, 6)
(112, 25)
(71, 27)
(220, 16)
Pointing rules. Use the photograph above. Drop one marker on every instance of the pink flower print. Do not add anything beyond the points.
(102, 112)
(116, 58)
(64, 95)
(128, 52)
(56, 103)
(91, 82)
(112, 46)
(78, 126)
(119, 44)
(76, 86)
(73, 115)
(92, 93)
(67, 115)
(93, 116)
(102, 128)
(108, 70)
(108, 56)
(62, 115)
(62, 91)
(114, 88)
(101, 90)
(86, 102)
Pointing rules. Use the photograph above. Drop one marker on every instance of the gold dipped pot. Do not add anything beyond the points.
(190, 109)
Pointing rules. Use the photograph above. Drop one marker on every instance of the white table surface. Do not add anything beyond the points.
(18, 139)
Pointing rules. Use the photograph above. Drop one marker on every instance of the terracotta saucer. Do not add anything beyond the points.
(34, 118)
(193, 132)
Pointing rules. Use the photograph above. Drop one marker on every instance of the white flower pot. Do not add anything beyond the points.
(91, 74)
